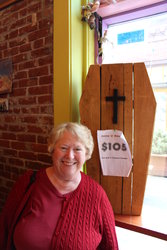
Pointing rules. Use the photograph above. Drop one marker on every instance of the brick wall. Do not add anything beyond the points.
(26, 37)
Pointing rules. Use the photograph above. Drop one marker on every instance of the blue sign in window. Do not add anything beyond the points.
(130, 37)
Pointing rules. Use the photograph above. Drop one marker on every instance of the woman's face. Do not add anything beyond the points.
(68, 157)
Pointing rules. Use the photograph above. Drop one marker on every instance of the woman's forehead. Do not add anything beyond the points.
(69, 137)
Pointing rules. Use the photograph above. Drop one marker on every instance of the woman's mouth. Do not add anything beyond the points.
(68, 163)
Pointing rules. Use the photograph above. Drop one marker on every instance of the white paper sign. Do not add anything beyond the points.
(115, 156)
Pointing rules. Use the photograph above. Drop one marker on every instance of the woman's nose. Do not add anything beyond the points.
(70, 153)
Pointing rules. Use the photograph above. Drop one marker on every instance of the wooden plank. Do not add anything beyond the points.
(90, 115)
(111, 78)
(144, 114)
(128, 108)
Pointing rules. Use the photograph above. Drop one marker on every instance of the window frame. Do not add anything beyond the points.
(135, 223)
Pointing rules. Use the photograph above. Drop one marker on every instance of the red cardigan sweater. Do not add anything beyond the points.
(87, 220)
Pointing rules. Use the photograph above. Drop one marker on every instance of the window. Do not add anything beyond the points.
(144, 39)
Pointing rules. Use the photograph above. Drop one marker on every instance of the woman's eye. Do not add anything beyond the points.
(78, 149)
(63, 148)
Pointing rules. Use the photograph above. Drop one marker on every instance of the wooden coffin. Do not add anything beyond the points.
(135, 117)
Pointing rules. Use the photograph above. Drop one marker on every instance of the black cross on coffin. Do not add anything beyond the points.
(115, 98)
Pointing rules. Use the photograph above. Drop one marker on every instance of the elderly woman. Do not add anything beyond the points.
(60, 207)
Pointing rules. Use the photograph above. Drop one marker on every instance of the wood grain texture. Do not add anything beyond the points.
(144, 115)
(112, 78)
(128, 132)
(89, 107)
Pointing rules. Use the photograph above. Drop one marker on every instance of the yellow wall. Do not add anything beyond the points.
(73, 53)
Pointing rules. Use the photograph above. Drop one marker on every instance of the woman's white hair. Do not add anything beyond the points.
(80, 131)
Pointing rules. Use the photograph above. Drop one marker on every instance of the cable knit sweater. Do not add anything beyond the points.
(86, 221)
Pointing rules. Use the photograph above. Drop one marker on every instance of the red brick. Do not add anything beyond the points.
(51, 69)
(45, 158)
(18, 23)
(6, 52)
(47, 119)
(27, 101)
(19, 92)
(49, 40)
(3, 45)
(45, 99)
(3, 29)
(25, 47)
(10, 118)
(18, 145)
(41, 90)
(14, 51)
(23, 12)
(8, 136)
(28, 82)
(26, 138)
(19, 58)
(45, 23)
(16, 128)
(46, 79)
(38, 34)
(27, 29)
(3, 127)
(45, 60)
(29, 119)
(27, 65)
(47, 12)
(16, 162)
(3, 159)
(47, 109)
(40, 52)
(15, 69)
(10, 152)
(27, 155)
(35, 165)
(42, 148)
(38, 71)
(38, 43)
(16, 42)
(4, 143)
(34, 129)
(42, 139)
(16, 110)
(31, 110)
(21, 75)
(13, 34)
(34, 7)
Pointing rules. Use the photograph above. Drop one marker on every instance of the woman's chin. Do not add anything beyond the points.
(71, 174)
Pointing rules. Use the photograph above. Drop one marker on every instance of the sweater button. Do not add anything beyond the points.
(57, 233)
